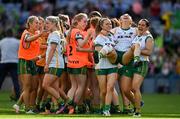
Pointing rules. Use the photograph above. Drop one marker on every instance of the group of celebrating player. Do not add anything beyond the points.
(73, 67)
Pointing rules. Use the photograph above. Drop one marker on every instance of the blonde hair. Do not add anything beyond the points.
(126, 15)
(53, 19)
(56, 21)
(41, 18)
(78, 18)
(30, 20)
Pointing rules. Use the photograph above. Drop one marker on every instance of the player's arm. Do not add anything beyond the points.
(113, 30)
(51, 52)
(149, 47)
(136, 30)
(81, 41)
(29, 38)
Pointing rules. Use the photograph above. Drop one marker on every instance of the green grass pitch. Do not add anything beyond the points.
(156, 106)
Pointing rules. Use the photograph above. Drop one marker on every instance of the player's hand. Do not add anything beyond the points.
(112, 56)
(46, 68)
(89, 33)
(44, 33)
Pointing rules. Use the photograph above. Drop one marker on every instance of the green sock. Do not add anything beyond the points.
(138, 110)
(42, 104)
(102, 107)
(116, 107)
(60, 101)
(32, 107)
(96, 109)
(48, 99)
(136, 58)
(107, 107)
(19, 102)
(79, 108)
(27, 108)
(126, 107)
(70, 102)
(54, 107)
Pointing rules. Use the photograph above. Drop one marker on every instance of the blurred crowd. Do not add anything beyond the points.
(163, 15)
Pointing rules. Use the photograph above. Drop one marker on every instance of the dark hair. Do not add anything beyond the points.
(9, 32)
(64, 19)
(94, 21)
(134, 24)
(115, 22)
(147, 22)
(99, 25)
(95, 14)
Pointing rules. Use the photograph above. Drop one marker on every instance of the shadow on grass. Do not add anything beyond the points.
(10, 113)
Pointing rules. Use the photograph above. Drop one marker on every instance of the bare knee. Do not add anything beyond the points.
(74, 87)
(127, 91)
(45, 86)
(136, 45)
(103, 93)
(27, 88)
(135, 89)
(110, 88)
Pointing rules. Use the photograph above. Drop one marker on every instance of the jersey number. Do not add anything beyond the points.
(70, 49)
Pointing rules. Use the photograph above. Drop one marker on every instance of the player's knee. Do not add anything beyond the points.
(137, 45)
(74, 87)
(132, 47)
(110, 88)
(127, 91)
(45, 86)
(135, 89)
(103, 93)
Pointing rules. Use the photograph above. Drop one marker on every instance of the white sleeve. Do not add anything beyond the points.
(98, 41)
(54, 38)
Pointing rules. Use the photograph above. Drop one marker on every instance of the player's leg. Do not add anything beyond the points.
(81, 82)
(94, 86)
(139, 73)
(137, 81)
(111, 79)
(102, 86)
